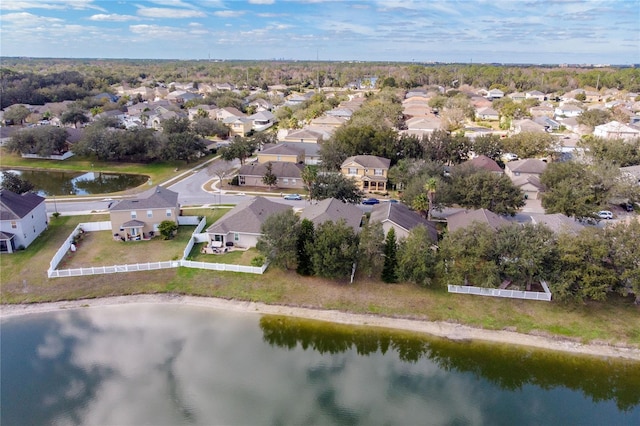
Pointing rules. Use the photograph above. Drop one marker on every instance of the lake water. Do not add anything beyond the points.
(54, 182)
(178, 365)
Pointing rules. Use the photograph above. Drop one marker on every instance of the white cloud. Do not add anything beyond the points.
(28, 19)
(159, 12)
(261, 1)
(49, 4)
(113, 17)
(156, 31)
(229, 13)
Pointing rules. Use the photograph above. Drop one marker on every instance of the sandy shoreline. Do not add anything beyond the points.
(440, 329)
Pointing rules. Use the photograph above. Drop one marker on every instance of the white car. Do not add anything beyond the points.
(605, 214)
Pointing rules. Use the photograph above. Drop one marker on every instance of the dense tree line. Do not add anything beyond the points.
(589, 265)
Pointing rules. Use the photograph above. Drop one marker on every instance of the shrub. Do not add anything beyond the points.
(257, 261)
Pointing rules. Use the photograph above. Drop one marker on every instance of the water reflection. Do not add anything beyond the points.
(148, 364)
(53, 182)
(510, 368)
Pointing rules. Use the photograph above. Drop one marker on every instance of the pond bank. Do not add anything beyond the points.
(439, 328)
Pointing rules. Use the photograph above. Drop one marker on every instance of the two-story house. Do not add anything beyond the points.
(22, 218)
(370, 172)
(139, 218)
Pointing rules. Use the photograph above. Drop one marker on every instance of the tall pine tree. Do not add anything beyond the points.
(389, 271)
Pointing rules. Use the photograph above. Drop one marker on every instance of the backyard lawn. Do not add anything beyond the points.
(100, 249)
(235, 257)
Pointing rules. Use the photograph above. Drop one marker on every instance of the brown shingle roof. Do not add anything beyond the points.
(282, 169)
(485, 163)
(465, 218)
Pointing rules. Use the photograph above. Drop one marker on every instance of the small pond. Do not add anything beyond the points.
(56, 182)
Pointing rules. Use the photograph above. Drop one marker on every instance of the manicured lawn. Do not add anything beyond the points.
(24, 279)
(235, 257)
(100, 249)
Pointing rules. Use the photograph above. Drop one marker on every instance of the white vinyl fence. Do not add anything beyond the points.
(197, 236)
(496, 292)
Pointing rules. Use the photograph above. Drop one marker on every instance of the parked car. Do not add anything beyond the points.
(509, 156)
(293, 197)
(627, 206)
(370, 201)
(605, 214)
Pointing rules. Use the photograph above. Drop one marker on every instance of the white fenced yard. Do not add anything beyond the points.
(497, 292)
(196, 237)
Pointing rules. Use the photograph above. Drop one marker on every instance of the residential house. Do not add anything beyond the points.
(530, 186)
(558, 223)
(197, 111)
(494, 94)
(549, 124)
(333, 210)
(299, 99)
(617, 130)
(239, 126)
(488, 114)
(341, 112)
(328, 121)
(369, 171)
(427, 124)
(262, 120)
(568, 110)
(241, 226)
(228, 112)
(289, 175)
(542, 111)
(536, 94)
(402, 219)
(482, 162)
(526, 126)
(303, 135)
(22, 218)
(294, 152)
(261, 105)
(282, 152)
(139, 218)
(517, 96)
(465, 218)
(525, 167)
(225, 87)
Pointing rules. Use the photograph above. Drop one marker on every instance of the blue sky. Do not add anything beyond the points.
(517, 31)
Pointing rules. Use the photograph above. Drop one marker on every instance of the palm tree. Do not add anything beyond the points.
(430, 187)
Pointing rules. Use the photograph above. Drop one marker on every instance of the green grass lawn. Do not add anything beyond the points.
(235, 257)
(24, 280)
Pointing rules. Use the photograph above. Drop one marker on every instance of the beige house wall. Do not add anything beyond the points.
(157, 216)
(265, 158)
(282, 183)
(361, 173)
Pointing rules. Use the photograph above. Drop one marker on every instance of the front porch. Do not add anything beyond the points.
(372, 184)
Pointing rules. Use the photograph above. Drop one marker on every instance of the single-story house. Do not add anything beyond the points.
(482, 162)
(464, 218)
(289, 175)
(529, 185)
(488, 114)
(369, 171)
(526, 126)
(241, 226)
(617, 130)
(333, 210)
(22, 218)
(139, 218)
(568, 110)
(402, 219)
(536, 94)
(558, 222)
(494, 94)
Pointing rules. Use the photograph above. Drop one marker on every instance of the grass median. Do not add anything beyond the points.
(24, 280)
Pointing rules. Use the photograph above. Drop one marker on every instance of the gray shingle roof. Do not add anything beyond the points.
(558, 222)
(247, 217)
(16, 206)
(528, 165)
(154, 198)
(465, 218)
(370, 161)
(282, 169)
(485, 163)
(334, 210)
(400, 215)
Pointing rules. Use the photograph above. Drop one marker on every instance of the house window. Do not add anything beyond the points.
(149, 213)
(156, 227)
(14, 224)
(293, 181)
(241, 180)
(278, 158)
(377, 172)
(285, 181)
(353, 171)
(134, 215)
(168, 212)
(236, 237)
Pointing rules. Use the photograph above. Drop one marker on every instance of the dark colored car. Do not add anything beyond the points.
(370, 201)
(627, 206)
